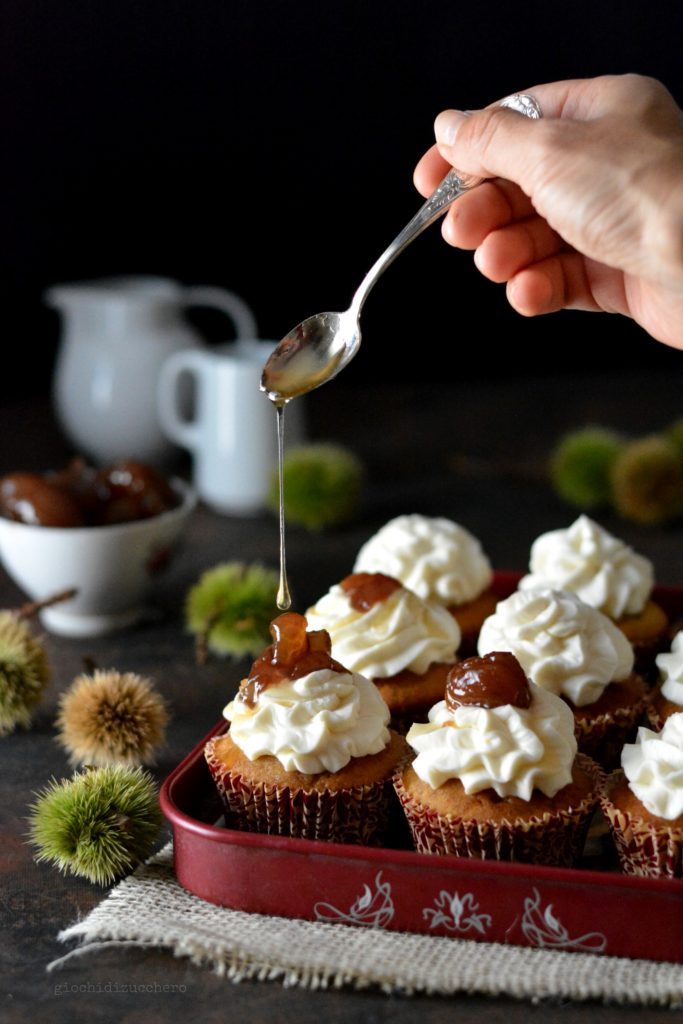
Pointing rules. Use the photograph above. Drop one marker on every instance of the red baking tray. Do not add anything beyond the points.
(591, 908)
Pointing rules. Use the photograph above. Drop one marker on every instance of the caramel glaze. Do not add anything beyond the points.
(488, 682)
(293, 653)
(366, 589)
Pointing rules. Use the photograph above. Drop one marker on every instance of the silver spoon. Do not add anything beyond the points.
(319, 347)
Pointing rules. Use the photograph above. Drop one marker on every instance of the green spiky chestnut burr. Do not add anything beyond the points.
(99, 824)
(322, 485)
(674, 434)
(24, 672)
(647, 481)
(581, 464)
(230, 609)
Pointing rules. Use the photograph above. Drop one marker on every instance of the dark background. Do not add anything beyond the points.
(268, 146)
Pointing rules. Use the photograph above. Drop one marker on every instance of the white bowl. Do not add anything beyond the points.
(113, 568)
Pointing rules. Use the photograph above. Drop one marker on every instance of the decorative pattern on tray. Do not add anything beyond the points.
(459, 916)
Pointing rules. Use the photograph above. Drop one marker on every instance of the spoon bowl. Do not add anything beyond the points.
(311, 354)
(318, 348)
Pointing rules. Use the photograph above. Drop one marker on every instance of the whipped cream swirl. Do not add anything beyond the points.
(604, 571)
(398, 633)
(563, 644)
(508, 749)
(670, 667)
(313, 724)
(653, 766)
(434, 557)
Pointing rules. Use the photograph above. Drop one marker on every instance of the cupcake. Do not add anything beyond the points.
(605, 573)
(573, 650)
(643, 803)
(438, 560)
(405, 644)
(667, 698)
(308, 753)
(497, 775)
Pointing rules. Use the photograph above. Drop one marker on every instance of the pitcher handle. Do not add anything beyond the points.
(232, 305)
(189, 363)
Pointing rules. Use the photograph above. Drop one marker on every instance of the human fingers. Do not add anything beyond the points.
(507, 251)
(430, 170)
(484, 209)
(573, 171)
(559, 282)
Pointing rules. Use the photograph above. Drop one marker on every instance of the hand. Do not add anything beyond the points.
(585, 207)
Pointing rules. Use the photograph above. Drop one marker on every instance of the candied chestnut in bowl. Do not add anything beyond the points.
(132, 490)
(32, 498)
(80, 495)
(78, 529)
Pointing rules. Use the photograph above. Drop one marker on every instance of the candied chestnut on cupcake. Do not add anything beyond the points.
(576, 652)
(643, 803)
(497, 775)
(667, 697)
(404, 644)
(308, 753)
(438, 560)
(607, 574)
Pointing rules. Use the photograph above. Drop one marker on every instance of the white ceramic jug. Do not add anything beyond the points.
(117, 333)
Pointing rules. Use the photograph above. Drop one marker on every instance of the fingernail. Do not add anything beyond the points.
(446, 126)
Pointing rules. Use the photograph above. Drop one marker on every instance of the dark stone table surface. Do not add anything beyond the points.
(471, 451)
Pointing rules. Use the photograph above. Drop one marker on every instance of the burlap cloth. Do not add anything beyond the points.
(149, 908)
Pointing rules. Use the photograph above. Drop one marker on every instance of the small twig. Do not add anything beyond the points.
(31, 608)
(89, 665)
(201, 646)
(201, 651)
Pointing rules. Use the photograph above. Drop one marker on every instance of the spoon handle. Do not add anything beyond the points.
(451, 188)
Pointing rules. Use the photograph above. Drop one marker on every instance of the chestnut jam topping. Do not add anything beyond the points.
(366, 589)
(293, 654)
(488, 682)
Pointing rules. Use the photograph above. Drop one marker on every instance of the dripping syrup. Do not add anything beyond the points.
(284, 598)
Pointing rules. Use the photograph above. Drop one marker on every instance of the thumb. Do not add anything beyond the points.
(500, 142)
(492, 143)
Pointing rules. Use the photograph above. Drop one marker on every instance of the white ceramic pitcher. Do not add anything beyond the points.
(117, 333)
(232, 433)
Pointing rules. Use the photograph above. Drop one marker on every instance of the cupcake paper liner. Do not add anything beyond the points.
(555, 838)
(357, 815)
(654, 718)
(643, 847)
(659, 708)
(602, 738)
